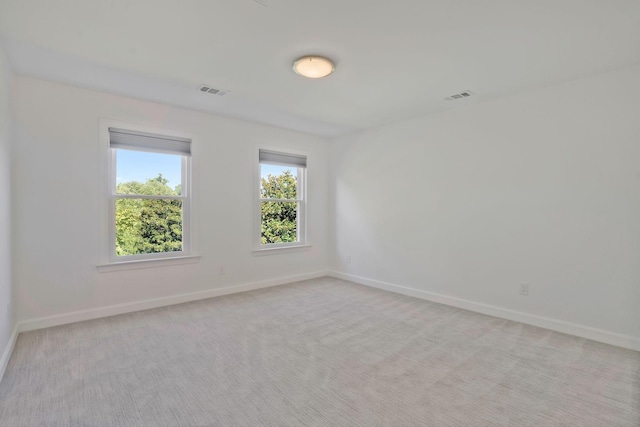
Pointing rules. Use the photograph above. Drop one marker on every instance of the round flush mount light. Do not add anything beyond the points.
(313, 66)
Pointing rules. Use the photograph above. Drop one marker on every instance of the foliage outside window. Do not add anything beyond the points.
(150, 197)
(282, 202)
(145, 226)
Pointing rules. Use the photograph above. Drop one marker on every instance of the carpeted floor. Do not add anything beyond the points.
(321, 352)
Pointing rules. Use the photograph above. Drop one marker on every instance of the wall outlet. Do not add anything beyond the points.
(221, 270)
(347, 259)
(524, 289)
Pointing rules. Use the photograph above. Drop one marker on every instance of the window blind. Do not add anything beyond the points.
(142, 141)
(274, 158)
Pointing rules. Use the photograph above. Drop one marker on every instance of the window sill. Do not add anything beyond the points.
(280, 250)
(147, 263)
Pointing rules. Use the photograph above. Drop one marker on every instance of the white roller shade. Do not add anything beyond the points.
(141, 141)
(284, 159)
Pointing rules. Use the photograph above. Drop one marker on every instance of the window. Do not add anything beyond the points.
(150, 195)
(282, 199)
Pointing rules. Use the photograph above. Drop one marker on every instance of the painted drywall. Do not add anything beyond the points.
(59, 196)
(6, 304)
(541, 188)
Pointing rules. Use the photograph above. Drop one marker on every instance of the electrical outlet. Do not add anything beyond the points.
(524, 289)
(347, 259)
(221, 270)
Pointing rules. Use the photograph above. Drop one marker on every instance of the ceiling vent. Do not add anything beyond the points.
(461, 95)
(212, 90)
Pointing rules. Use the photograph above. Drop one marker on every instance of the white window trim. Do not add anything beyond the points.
(108, 259)
(147, 263)
(278, 248)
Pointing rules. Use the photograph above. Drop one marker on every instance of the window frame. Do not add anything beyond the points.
(302, 202)
(109, 260)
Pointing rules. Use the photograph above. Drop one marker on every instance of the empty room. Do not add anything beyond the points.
(319, 213)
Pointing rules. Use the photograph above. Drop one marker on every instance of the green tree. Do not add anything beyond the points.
(148, 225)
(279, 219)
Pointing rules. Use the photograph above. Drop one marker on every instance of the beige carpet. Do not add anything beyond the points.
(321, 352)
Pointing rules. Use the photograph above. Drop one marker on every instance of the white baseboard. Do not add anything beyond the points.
(112, 310)
(594, 334)
(6, 354)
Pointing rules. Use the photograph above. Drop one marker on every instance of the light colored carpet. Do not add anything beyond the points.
(320, 352)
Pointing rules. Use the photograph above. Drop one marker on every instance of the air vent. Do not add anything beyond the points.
(461, 95)
(212, 90)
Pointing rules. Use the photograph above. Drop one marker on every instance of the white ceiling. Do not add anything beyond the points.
(395, 59)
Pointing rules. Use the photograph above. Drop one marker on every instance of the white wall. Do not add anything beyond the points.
(58, 195)
(540, 188)
(6, 306)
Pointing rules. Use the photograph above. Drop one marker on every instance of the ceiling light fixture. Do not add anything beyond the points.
(313, 67)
